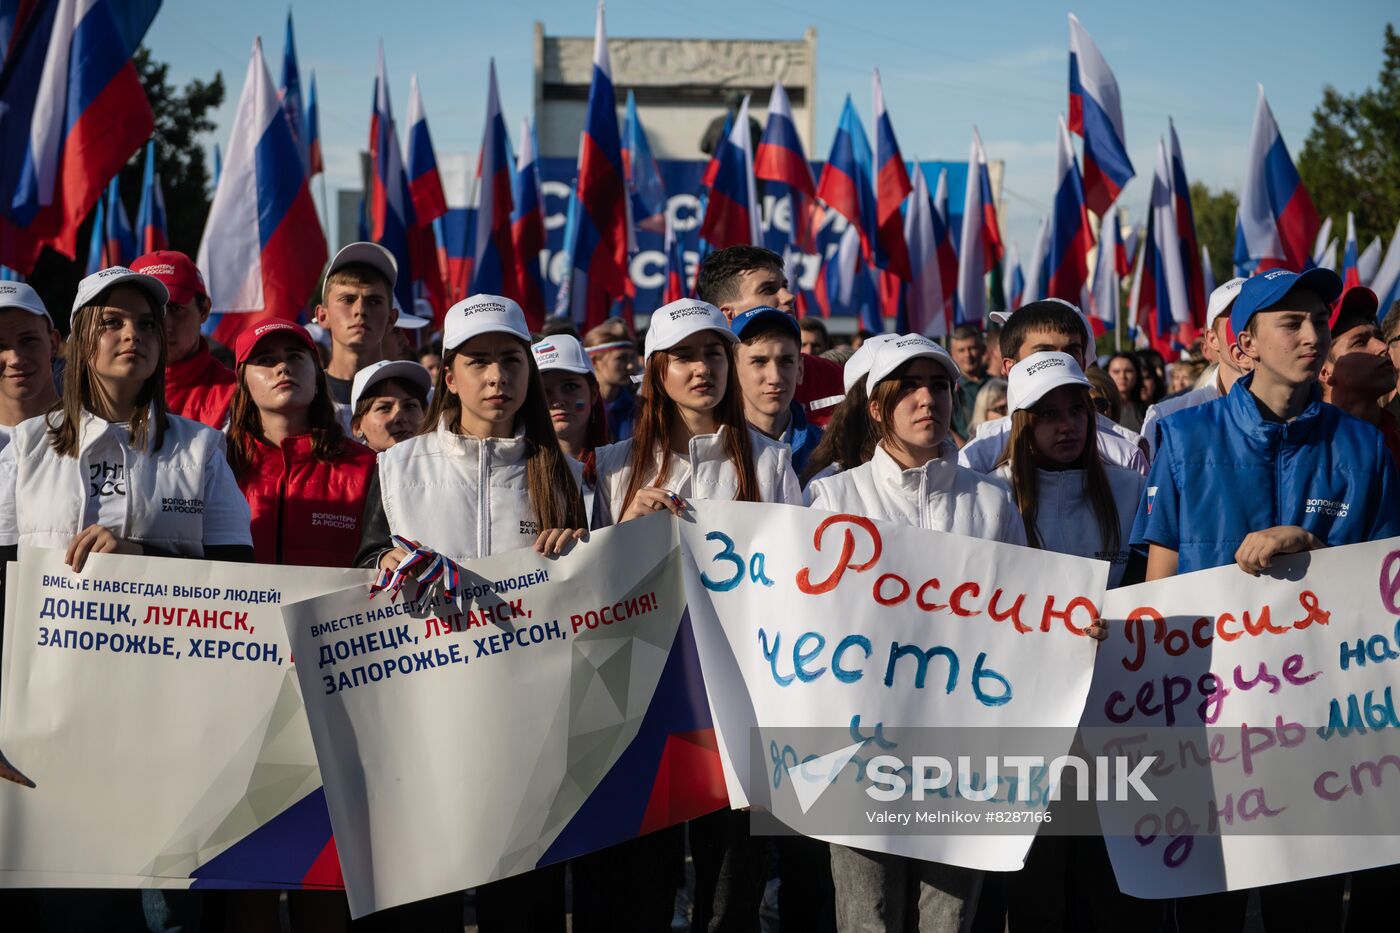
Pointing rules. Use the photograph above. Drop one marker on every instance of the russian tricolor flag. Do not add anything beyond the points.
(527, 224)
(424, 183)
(1014, 285)
(1161, 305)
(290, 93)
(892, 186)
(979, 249)
(674, 289)
(1277, 220)
(150, 217)
(1196, 292)
(389, 205)
(928, 313)
(97, 240)
(845, 184)
(263, 250)
(943, 241)
(1351, 274)
(1105, 294)
(72, 112)
(780, 158)
(644, 185)
(731, 215)
(1096, 113)
(120, 246)
(494, 270)
(1071, 237)
(313, 132)
(598, 251)
(1386, 282)
(1038, 268)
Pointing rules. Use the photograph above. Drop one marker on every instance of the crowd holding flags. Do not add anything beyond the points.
(901, 264)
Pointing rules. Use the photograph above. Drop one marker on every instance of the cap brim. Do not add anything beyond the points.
(723, 331)
(878, 372)
(788, 322)
(152, 286)
(411, 322)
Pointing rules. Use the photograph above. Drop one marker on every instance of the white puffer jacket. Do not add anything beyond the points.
(939, 496)
(704, 473)
(1064, 519)
(181, 498)
(464, 497)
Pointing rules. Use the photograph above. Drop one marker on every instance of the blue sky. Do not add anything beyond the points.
(945, 67)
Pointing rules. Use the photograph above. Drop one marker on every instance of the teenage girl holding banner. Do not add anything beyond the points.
(485, 476)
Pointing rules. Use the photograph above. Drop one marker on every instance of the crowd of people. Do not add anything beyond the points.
(286, 449)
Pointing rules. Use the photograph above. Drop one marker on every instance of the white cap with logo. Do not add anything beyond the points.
(482, 314)
(672, 323)
(1221, 299)
(97, 283)
(22, 296)
(562, 352)
(892, 354)
(1038, 374)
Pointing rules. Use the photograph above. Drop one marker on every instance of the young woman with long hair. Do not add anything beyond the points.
(690, 441)
(909, 479)
(1072, 502)
(575, 403)
(486, 475)
(89, 477)
(305, 481)
(1126, 370)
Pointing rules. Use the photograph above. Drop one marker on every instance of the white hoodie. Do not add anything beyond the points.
(939, 496)
(1065, 521)
(704, 473)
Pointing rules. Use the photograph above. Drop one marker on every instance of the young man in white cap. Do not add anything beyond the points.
(357, 310)
(1230, 364)
(197, 386)
(28, 345)
(1049, 324)
(1359, 371)
(769, 360)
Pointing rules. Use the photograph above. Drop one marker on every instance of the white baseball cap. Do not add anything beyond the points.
(562, 352)
(893, 354)
(413, 321)
(858, 363)
(1038, 374)
(482, 314)
(1221, 299)
(672, 323)
(388, 369)
(21, 295)
(369, 254)
(97, 283)
(1001, 317)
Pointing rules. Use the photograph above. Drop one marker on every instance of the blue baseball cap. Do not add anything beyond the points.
(1263, 290)
(762, 315)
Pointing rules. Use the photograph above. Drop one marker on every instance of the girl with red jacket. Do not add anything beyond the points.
(304, 479)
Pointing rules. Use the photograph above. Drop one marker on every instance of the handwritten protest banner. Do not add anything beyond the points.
(808, 621)
(154, 705)
(1268, 704)
(547, 708)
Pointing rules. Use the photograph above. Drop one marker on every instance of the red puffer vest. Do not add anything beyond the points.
(306, 513)
(200, 388)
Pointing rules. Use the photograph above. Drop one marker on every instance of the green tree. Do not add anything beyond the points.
(1215, 226)
(1351, 159)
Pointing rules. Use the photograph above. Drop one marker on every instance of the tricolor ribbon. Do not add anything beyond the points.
(440, 567)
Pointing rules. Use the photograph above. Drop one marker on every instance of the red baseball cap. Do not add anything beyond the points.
(177, 273)
(1357, 305)
(248, 340)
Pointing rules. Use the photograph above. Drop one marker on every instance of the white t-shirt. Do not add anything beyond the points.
(106, 480)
